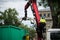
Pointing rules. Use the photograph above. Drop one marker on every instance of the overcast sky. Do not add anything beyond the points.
(19, 6)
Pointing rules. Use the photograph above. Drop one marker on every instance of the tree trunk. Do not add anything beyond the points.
(54, 16)
(58, 11)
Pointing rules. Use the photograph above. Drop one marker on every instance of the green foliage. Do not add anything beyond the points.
(9, 16)
(47, 2)
(44, 2)
(30, 30)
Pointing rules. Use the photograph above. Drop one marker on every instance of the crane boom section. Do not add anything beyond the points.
(37, 16)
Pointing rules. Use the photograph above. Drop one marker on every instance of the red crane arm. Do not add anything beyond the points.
(37, 16)
(34, 6)
(27, 5)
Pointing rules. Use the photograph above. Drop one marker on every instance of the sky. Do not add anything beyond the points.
(19, 6)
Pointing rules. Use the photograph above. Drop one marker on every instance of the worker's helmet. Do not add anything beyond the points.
(43, 17)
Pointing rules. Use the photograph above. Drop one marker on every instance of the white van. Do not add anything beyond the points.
(53, 34)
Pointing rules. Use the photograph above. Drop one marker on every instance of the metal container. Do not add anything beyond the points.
(11, 33)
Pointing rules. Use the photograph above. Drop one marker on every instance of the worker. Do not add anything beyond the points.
(42, 23)
(27, 36)
(40, 29)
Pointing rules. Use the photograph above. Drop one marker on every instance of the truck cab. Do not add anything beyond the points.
(53, 34)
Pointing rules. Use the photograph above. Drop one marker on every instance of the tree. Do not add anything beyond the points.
(9, 16)
(55, 10)
(30, 30)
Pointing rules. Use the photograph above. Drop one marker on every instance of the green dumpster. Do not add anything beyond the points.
(11, 33)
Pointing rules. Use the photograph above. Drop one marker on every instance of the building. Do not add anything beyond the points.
(47, 14)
